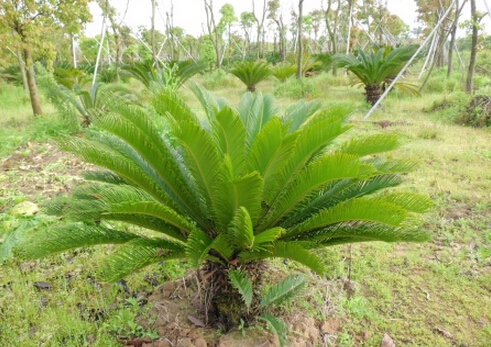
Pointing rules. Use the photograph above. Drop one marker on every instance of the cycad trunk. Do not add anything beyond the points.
(373, 93)
(223, 303)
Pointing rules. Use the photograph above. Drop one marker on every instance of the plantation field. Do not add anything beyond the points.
(429, 294)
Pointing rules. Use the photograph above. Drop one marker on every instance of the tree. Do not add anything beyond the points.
(273, 8)
(259, 29)
(213, 31)
(331, 18)
(29, 19)
(246, 22)
(377, 67)
(430, 12)
(226, 21)
(475, 20)
(227, 191)
(300, 43)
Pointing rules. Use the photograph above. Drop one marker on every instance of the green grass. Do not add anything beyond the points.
(410, 291)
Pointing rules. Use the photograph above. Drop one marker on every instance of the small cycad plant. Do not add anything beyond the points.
(229, 190)
(252, 72)
(283, 71)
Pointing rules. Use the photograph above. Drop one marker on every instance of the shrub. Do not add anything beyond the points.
(218, 79)
(252, 72)
(477, 113)
(228, 191)
(440, 83)
(283, 71)
(296, 89)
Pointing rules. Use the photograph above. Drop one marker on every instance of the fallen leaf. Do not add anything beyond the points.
(196, 321)
(42, 285)
(25, 208)
(387, 341)
(444, 333)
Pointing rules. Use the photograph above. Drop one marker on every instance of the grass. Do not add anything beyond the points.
(432, 294)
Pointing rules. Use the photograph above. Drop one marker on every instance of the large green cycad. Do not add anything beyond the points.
(232, 189)
(377, 67)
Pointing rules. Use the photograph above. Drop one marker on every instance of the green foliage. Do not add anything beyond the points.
(283, 291)
(251, 72)
(277, 327)
(277, 294)
(247, 171)
(309, 62)
(296, 89)
(477, 113)
(11, 74)
(169, 76)
(377, 68)
(69, 77)
(283, 71)
(243, 284)
(218, 79)
(440, 83)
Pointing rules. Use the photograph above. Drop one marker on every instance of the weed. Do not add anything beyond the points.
(296, 89)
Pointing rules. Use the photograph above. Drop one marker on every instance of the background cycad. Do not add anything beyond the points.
(229, 191)
(252, 72)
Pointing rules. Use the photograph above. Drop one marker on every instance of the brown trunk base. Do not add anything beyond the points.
(222, 303)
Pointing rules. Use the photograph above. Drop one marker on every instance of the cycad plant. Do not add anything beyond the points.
(169, 76)
(283, 71)
(378, 67)
(228, 191)
(252, 72)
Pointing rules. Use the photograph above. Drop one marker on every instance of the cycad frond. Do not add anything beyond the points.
(310, 180)
(208, 101)
(283, 291)
(255, 110)
(297, 114)
(62, 238)
(277, 327)
(230, 134)
(139, 253)
(241, 232)
(360, 209)
(372, 144)
(198, 246)
(243, 284)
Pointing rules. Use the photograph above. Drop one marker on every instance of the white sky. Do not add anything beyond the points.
(190, 14)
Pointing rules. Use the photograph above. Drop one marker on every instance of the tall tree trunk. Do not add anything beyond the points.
(260, 25)
(152, 38)
(332, 30)
(469, 86)
(300, 44)
(350, 20)
(453, 34)
(22, 66)
(31, 82)
(213, 31)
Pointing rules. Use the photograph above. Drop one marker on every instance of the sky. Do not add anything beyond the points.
(190, 14)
